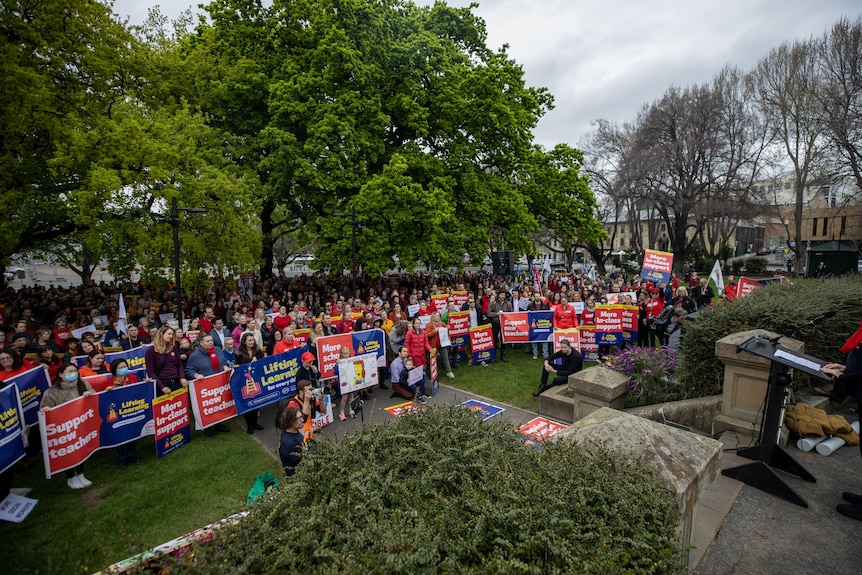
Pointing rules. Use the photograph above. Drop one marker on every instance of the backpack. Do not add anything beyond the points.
(661, 323)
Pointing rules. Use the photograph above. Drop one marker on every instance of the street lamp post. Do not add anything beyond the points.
(174, 220)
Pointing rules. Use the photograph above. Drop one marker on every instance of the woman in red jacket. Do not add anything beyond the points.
(654, 307)
(416, 342)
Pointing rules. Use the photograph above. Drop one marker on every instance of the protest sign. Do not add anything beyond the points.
(433, 385)
(459, 328)
(31, 385)
(70, 433)
(609, 324)
(589, 345)
(482, 343)
(359, 342)
(515, 327)
(15, 508)
(13, 441)
(460, 297)
(300, 335)
(402, 408)
(630, 323)
(126, 413)
(266, 380)
(572, 334)
(212, 399)
(657, 266)
(172, 421)
(357, 373)
(540, 428)
(438, 301)
(485, 410)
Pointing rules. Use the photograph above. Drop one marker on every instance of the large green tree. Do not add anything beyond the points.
(398, 113)
(98, 141)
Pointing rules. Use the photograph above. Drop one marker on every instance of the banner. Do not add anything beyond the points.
(460, 297)
(459, 328)
(266, 380)
(657, 266)
(527, 326)
(357, 373)
(630, 323)
(359, 342)
(485, 410)
(589, 345)
(126, 413)
(573, 334)
(609, 324)
(212, 399)
(403, 408)
(13, 440)
(746, 286)
(540, 428)
(31, 385)
(70, 433)
(482, 343)
(134, 358)
(300, 335)
(515, 326)
(172, 421)
(433, 384)
(717, 278)
(438, 302)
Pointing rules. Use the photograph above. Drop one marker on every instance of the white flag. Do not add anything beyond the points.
(121, 321)
(716, 276)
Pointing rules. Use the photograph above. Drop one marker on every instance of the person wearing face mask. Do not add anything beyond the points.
(126, 453)
(66, 387)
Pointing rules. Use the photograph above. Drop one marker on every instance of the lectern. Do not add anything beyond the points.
(768, 455)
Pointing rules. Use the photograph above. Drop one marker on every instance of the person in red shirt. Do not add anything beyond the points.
(730, 290)
(282, 320)
(287, 342)
(206, 320)
(654, 307)
(564, 314)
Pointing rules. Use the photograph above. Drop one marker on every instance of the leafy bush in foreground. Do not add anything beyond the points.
(445, 493)
(778, 308)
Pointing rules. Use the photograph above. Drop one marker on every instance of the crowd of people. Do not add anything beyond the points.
(234, 324)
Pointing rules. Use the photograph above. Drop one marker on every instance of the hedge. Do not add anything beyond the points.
(445, 493)
(777, 308)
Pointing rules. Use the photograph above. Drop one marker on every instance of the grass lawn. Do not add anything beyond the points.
(513, 382)
(127, 511)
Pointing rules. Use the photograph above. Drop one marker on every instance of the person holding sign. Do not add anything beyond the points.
(128, 452)
(572, 362)
(203, 362)
(163, 362)
(249, 352)
(495, 308)
(66, 387)
(431, 330)
(416, 342)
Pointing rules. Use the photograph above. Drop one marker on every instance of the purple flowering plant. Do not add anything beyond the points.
(651, 375)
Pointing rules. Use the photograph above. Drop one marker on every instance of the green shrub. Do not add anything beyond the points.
(755, 265)
(776, 308)
(445, 493)
(736, 266)
(703, 265)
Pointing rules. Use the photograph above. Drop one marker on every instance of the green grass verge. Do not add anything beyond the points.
(130, 510)
(513, 382)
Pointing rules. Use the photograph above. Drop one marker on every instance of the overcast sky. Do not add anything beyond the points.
(606, 58)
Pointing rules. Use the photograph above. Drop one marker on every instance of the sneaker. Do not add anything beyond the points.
(74, 482)
(535, 357)
(423, 398)
(84, 481)
(352, 414)
(342, 417)
(450, 375)
(483, 363)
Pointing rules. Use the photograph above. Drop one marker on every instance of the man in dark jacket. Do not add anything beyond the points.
(572, 363)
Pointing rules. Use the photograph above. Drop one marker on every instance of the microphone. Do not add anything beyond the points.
(809, 323)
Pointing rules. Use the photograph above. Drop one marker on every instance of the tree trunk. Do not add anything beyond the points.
(267, 239)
